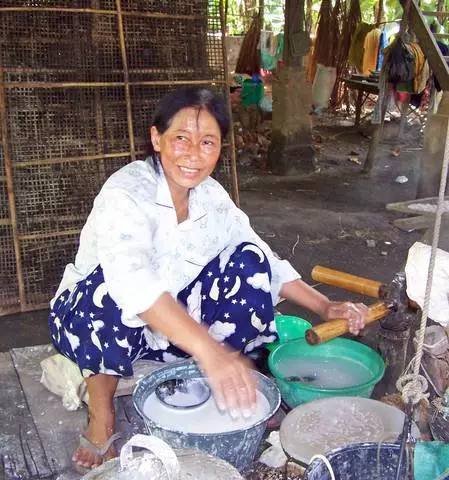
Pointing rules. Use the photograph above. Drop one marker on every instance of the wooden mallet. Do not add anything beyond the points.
(335, 328)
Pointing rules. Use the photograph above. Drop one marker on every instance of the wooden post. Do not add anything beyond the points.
(10, 188)
(98, 103)
(129, 113)
(234, 178)
(358, 107)
(377, 134)
(436, 140)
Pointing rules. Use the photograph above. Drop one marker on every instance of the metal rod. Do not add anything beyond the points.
(234, 178)
(129, 113)
(10, 188)
(406, 429)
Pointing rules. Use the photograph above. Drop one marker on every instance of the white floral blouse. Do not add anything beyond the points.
(133, 233)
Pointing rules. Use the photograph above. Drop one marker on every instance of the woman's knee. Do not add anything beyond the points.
(248, 254)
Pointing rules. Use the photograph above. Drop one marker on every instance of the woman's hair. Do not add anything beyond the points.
(188, 97)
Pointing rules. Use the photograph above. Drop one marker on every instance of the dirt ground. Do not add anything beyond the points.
(323, 218)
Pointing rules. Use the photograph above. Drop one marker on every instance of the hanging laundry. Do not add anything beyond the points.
(400, 66)
(383, 43)
(371, 51)
(422, 71)
(356, 50)
(271, 47)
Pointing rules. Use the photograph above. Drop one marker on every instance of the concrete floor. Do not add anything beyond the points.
(324, 218)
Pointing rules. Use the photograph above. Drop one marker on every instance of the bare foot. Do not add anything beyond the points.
(98, 432)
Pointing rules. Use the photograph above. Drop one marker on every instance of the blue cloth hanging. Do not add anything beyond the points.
(383, 43)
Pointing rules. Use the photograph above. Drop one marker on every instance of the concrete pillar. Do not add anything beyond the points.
(433, 151)
(291, 150)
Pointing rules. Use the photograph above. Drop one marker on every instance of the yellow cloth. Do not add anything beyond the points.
(422, 70)
(355, 56)
(371, 51)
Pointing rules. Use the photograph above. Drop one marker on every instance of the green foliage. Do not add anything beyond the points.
(239, 15)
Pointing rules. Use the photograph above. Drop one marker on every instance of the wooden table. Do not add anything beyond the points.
(363, 87)
(423, 220)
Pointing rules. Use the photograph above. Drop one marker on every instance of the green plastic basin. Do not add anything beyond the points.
(289, 328)
(295, 393)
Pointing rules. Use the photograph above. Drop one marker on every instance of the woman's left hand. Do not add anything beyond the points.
(354, 313)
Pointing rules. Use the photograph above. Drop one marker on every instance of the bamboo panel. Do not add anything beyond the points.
(80, 80)
(58, 41)
(59, 4)
(9, 288)
(171, 8)
(45, 260)
(58, 123)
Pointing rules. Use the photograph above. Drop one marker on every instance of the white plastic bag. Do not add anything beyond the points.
(416, 274)
(62, 377)
(323, 84)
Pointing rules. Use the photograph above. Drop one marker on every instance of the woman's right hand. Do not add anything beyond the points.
(229, 375)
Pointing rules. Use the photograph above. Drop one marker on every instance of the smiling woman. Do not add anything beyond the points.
(169, 267)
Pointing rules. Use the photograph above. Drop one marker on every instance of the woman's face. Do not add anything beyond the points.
(189, 148)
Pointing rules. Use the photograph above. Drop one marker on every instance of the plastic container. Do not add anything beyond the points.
(159, 462)
(365, 461)
(252, 92)
(237, 447)
(295, 393)
(289, 328)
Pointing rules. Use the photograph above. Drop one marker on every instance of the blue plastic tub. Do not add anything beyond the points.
(238, 447)
(362, 461)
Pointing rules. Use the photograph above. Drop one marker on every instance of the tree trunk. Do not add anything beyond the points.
(291, 150)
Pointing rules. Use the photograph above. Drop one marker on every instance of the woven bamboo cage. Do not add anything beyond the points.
(79, 80)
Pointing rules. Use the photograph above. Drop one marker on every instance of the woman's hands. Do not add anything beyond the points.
(300, 293)
(228, 372)
(354, 313)
(229, 375)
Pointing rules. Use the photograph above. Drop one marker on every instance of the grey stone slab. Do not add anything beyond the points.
(58, 428)
(22, 454)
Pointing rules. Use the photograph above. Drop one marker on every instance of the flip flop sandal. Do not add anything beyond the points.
(100, 452)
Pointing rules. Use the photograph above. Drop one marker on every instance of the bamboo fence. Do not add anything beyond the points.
(79, 80)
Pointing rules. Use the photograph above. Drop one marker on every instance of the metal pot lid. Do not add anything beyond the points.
(160, 462)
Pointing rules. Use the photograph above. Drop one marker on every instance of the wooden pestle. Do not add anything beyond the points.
(334, 328)
(365, 286)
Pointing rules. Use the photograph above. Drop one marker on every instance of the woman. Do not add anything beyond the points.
(169, 267)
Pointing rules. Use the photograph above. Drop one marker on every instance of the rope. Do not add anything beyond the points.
(413, 386)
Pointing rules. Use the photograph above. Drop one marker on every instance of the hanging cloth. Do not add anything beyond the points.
(422, 71)
(271, 47)
(371, 51)
(355, 56)
(383, 43)
(400, 66)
